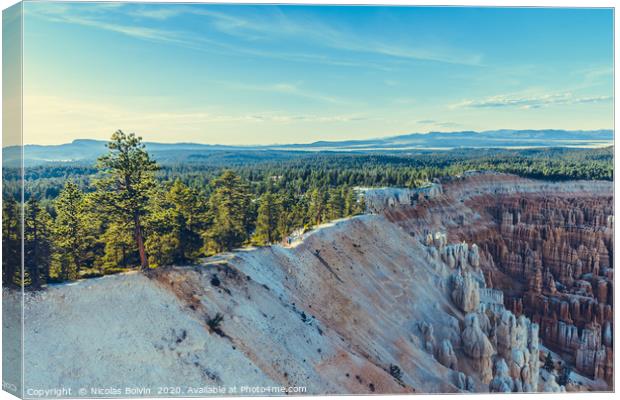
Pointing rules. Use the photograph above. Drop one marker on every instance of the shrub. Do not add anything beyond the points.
(214, 324)
(396, 372)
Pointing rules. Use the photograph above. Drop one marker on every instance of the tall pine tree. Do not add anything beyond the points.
(128, 179)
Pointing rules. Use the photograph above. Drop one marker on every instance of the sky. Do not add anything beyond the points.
(224, 74)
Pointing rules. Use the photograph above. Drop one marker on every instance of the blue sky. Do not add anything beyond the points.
(282, 74)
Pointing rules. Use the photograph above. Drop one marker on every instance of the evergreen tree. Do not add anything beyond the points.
(316, 208)
(95, 225)
(120, 249)
(37, 243)
(335, 204)
(191, 219)
(229, 213)
(162, 246)
(11, 241)
(124, 191)
(549, 363)
(162, 227)
(350, 201)
(71, 236)
(269, 220)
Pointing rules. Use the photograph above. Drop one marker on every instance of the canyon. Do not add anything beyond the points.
(466, 285)
(547, 247)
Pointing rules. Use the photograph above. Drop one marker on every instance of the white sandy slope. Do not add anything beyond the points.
(362, 300)
(123, 331)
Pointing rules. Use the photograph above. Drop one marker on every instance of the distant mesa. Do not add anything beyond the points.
(84, 150)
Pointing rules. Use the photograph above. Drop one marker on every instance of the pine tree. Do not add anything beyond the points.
(191, 219)
(229, 213)
(11, 241)
(549, 366)
(162, 226)
(269, 220)
(317, 207)
(95, 224)
(37, 243)
(335, 204)
(350, 201)
(71, 236)
(124, 191)
(120, 249)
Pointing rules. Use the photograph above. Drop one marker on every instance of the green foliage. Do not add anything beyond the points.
(11, 242)
(317, 212)
(190, 213)
(335, 204)
(270, 220)
(174, 226)
(300, 172)
(37, 244)
(230, 212)
(72, 237)
(84, 221)
(123, 191)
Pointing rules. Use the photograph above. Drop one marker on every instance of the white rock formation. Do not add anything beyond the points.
(501, 382)
(446, 356)
(464, 290)
(477, 346)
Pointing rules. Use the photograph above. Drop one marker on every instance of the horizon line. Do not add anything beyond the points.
(320, 141)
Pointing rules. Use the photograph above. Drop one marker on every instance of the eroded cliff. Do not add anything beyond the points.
(547, 246)
(453, 288)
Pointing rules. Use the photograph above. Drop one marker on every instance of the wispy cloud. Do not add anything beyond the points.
(439, 124)
(155, 12)
(281, 25)
(268, 28)
(63, 13)
(530, 101)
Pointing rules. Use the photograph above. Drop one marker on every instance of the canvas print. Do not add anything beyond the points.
(265, 200)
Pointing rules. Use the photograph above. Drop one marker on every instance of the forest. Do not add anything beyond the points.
(125, 217)
(128, 211)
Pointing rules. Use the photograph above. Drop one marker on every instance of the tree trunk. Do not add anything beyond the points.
(77, 262)
(140, 242)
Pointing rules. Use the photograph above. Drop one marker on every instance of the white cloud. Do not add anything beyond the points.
(530, 101)
(272, 27)
(438, 124)
(278, 25)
